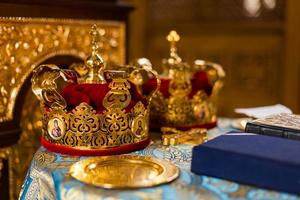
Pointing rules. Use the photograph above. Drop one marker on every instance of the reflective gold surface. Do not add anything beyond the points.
(94, 63)
(27, 42)
(194, 136)
(124, 171)
(44, 84)
(179, 109)
(105, 130)
(82, 127)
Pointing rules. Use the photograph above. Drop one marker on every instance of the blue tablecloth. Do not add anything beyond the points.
(48, 178)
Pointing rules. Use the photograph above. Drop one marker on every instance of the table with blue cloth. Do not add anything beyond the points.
(48, 178)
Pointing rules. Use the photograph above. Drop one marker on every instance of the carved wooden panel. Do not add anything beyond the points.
(26, 43)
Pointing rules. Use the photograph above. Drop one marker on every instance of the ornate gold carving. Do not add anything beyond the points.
(44, 158)
(26, 42)
(173, 38)
(94, 63)
(203, 108)
(119, 96)
(82, 127)
(45, 88)
(136, 77)
(179, 109)
(172, 136)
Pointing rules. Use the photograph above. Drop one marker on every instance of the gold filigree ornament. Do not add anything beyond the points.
(186, 103)
(83, 130)
(28, 42)
(194, 136)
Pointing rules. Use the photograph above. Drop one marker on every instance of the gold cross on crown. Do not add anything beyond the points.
(173, 37)
(94, 37)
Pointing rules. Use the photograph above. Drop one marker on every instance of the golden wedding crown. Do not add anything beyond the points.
(188, 94)
(101, 112)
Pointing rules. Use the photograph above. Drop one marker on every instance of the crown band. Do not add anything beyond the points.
(83, 128)
(94, 152)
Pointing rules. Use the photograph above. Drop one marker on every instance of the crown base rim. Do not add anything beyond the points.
(61, 149)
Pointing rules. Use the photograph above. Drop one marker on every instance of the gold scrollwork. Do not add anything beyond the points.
(83, 120)
(119, 96)
(44, 85)
(84, 128)
(180, 108)
(27, 42)
(88, 129)
(116, 120)
(24, 44)
(194, 136)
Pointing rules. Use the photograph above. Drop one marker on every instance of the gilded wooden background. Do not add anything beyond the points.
(256, 41)
(24, 44)
(258, 48)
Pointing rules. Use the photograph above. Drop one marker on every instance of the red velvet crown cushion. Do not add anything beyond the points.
(199, 81)
(93, 94)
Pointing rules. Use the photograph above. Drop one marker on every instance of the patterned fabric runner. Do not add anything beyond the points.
(48, 178)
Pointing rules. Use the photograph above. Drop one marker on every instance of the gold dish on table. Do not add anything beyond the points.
(124, 171)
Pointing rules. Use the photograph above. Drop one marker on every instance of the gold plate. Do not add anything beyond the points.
(124, 171)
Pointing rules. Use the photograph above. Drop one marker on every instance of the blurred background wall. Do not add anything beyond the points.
(256, 41)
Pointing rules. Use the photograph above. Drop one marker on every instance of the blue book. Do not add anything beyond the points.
(259, 160)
